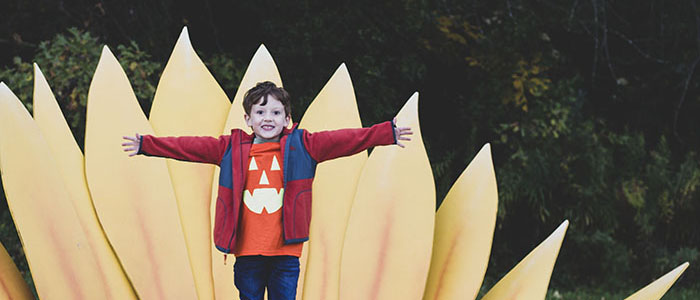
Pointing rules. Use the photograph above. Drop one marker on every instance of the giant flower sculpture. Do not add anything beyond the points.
(105, 226)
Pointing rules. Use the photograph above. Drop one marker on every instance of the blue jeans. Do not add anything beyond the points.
(279, 274)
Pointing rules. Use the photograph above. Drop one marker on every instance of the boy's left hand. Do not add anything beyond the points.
(132, 145)
(402, 134)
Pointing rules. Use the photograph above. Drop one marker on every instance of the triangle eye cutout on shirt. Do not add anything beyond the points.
(253, 166)
(275, 165)
(263, 179)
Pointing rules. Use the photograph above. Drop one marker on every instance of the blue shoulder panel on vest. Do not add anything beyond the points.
(225, 174)
(298, 162)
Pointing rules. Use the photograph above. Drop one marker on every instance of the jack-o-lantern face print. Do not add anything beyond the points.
(264, 187)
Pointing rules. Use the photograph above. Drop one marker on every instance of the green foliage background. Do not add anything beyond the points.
(591, 107)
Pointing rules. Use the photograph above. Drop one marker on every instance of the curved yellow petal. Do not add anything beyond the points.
(12, 286)
(133, 196)
(529, 279)
(464, 226)
(657, 289)
(59, 255)
(333, 189)
(71, 166)
(386, 254)
(261, 68)
(189, 101)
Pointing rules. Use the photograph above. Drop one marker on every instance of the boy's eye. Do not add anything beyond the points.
(277, 113)
(259, 112)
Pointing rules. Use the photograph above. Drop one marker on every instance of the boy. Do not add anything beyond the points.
(263, 208)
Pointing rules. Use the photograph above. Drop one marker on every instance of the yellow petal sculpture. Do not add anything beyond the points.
(142, 228)
(12, 286)
(71, 166)
(387, 247)
(333, 189)
(529, 279)
(188, 101)
(58, 253)
(133, 196)
(656, 289)
(464, 226)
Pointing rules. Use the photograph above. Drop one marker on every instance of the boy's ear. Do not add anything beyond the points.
(287, 119)
(246, 117)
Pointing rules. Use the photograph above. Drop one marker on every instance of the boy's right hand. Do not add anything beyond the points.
(132, 145)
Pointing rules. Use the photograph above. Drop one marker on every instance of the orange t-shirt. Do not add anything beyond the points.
(260, 225)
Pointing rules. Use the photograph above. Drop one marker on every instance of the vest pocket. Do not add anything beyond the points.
(219, 217)
(302, 213)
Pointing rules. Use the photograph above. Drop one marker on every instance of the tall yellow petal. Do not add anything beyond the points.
(12, 286)
(189, 101)
(71, 167)
(386, 254)
(261, 68)
(133, 196)
(333, 189)
(464, 226)
(656, 289)
(59, 255)
(529, 279)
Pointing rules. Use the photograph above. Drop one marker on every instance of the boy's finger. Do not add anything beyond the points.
(404, 138)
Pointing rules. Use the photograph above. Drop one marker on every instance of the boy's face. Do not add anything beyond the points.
(267, 121)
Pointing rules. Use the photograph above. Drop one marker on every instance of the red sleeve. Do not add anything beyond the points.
(203, 149)
(325, 145)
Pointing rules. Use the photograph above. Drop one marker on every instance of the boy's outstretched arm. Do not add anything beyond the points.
(204, 149)
(132, 144)
(401, 134)
(325, 145)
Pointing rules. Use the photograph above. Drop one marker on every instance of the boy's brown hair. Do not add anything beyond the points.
(260, 92)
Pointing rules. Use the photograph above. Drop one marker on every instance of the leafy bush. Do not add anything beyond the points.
(68, 62)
